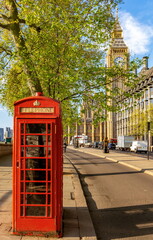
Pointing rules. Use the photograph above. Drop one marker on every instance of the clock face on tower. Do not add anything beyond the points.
(119, 61)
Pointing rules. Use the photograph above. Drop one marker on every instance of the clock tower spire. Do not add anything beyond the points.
(118, 51)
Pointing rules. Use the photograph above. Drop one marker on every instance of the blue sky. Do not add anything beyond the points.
(5, 119)
(136, 19)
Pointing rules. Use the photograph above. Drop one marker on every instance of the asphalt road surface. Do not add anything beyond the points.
(120, 199)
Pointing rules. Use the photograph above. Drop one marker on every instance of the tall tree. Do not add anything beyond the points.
(57, 47)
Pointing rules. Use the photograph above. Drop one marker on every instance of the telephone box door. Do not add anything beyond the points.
(36, 175)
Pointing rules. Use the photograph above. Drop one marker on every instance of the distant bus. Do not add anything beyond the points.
(113, 140)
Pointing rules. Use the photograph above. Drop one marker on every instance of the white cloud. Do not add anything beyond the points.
(2, 109)
(137, 36)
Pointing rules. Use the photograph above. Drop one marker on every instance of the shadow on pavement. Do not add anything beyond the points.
(6, 161)
(115, 173)
(139, 219)
(5, 196)
(120, 222)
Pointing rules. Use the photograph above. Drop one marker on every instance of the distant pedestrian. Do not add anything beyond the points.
(64, 146)
(106, 150)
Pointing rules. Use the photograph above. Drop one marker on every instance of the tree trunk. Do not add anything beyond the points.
(14, 26)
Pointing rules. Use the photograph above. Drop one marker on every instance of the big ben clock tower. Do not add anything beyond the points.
(118, 51)
(118, 54)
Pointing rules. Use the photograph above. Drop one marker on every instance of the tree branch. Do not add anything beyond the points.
(5, 26)
(7, 51)
(38, 29)
(5, 17)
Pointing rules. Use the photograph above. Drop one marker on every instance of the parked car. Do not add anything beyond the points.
(88, 144)
(100, 145)
(95, 144)
(139, 146)
(117, 147)
(111, 145)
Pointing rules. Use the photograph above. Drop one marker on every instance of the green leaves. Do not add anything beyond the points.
(139, 119)
(56, 47)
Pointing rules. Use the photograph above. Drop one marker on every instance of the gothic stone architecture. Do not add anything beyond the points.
(117, 123)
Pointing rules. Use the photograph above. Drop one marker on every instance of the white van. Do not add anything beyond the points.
(139, 146)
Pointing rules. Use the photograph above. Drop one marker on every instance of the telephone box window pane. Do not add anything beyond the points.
(49, 175)
(22, 128)
(49, 199)
(34, 175)
(35, 199)
(49, 211)
(36, 163)
(35, 128)
(49, 140)
(35, 140)
(22, 211)
(49, 187)
(22, 140)
(22, 187)
(22, 175)
(22, 199)
(36, 187)
(49, 128)
(35, 151)
(49, 152)
(22, 152)
(49, 163)
(35, 211)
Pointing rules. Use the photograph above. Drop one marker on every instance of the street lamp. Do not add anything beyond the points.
(148, 128)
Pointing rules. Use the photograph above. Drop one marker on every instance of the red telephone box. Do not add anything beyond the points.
(37, 167)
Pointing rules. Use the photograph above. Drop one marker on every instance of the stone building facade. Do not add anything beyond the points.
(142, 104)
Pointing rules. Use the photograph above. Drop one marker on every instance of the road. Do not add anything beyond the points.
(119, 198)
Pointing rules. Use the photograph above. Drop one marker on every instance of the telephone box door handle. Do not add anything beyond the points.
(17, 164)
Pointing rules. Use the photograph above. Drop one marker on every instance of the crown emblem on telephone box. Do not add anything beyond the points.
(36, 103)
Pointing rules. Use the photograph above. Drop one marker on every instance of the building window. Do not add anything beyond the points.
(146, 94)
(131, 100)
(151, 92)
(142, 105)
(146, 103)
(89, 113)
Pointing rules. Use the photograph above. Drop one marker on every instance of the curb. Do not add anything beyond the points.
(120, 162)
(86, 228)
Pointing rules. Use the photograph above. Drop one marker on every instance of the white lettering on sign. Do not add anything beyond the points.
(37, 110)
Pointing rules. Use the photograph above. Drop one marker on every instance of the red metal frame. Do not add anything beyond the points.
(37, 168)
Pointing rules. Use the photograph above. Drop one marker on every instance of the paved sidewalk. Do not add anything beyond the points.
(77, 224)
(138, 162)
